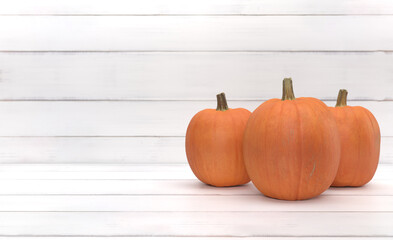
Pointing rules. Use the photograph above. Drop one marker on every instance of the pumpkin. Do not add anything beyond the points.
(291, 146)
(360, 139)
(214, 145)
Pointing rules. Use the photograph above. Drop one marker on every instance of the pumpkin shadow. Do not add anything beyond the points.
(353, 190)
(316, 198)
(198, 187)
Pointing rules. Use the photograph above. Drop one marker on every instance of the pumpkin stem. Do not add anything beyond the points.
(222, 104)
(287, 89)
(342, 98)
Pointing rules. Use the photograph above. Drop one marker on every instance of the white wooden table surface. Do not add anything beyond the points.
(95, 201)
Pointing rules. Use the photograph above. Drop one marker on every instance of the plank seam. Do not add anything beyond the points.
(97, 136)
(170, 100)
(199, 236)
(197, 51)
(205, 194)
(195, 15)
(108, 136)
(248, 211)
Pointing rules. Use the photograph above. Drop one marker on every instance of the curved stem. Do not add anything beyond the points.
(287, 89)
(222, 104)
(342, 98)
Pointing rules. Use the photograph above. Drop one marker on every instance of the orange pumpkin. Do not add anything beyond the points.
(214, 145)
(360, 143)
(291, 147)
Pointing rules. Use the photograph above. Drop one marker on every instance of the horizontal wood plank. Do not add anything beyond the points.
(93, 150)
(237, 203)
(244, 7)
(119, 171)
(130, 118)
(166, 208)
(187, 238)
(196, 33)
(110, 150)
(80, 171)
(161, 187)
(197, 224)
(117, 187)
(92, 167)
(170, 76)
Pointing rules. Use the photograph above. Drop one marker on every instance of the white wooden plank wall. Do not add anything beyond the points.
(196, 33)
(201, 7)
(117, 81)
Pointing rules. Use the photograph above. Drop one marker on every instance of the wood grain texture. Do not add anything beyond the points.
(381, 187)
(110, 150)
(163, 76)
(191, 238)
(103, 171)
(108, 171)
(196, 33)
(244, 7)
(92, 168)
(72, 74)
(238, 203)
(178, 208)
(93, 150)
(186, 238)
(196, 223)
(129, 118)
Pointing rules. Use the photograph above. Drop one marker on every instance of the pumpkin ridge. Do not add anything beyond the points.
(244, 165)
(233, 130)
(240, 152)
(300, 150)
(322, 108)
(190, 128)
(366, 112)
(200, 170)
(371, 118)
(207, 167)
(313, 108)
(355, 176)
(376, 132)
(266, 107)
(265, 135)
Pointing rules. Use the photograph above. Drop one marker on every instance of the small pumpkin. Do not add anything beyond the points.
(214, 145)
(291, 146)
(360, 140)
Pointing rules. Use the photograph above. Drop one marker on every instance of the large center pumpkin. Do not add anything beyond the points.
(291, 147)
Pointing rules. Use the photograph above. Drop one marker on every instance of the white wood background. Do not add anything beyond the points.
(96, 95)
(118, 81)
